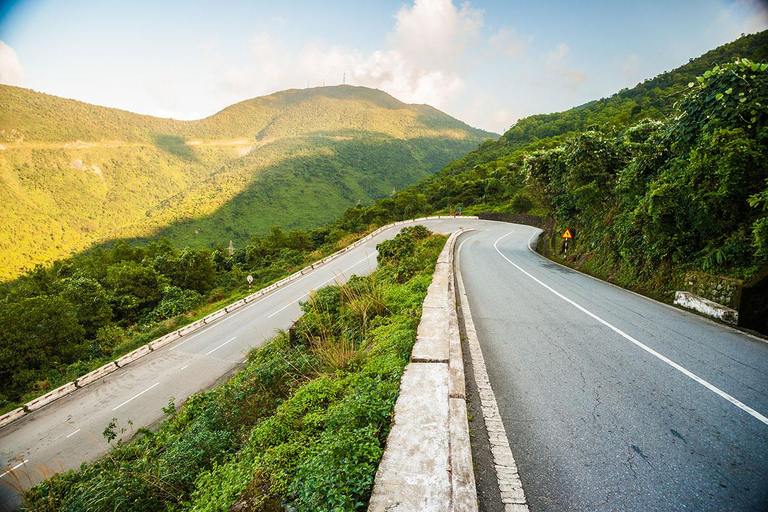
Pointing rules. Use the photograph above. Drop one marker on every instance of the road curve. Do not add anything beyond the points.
(612, 401)
(69, 431)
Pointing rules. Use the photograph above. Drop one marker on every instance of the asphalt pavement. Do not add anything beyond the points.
(612, 401)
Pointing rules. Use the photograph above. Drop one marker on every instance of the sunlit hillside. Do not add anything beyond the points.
(75, 174)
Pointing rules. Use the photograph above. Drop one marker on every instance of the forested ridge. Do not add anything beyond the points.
(73, 175)
(655, 180)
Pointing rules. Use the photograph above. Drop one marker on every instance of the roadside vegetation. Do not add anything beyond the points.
(665, 177)
(656, 180)
(60, 322)
(303, 424)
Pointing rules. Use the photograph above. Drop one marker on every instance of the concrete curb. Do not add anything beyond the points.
(105, 370)
(707, 307)
(427, 463)
(510, 486)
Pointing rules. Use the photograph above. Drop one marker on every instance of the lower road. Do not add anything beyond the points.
(612, 401)
(69, 431)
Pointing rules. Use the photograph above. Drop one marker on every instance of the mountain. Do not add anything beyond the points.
(73, 175)
(664, 178)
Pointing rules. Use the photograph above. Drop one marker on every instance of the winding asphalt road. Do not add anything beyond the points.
(69, 431)
(612, 401)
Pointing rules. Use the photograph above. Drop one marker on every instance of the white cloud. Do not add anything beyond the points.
(630, 66)
(174, 114)
(559, 53)
(572, 78)
(748, 16)
(11, 70)
(434, 33)
(507, 42)
(422, 63)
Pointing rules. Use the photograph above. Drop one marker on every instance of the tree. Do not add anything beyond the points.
(134, 289)
(37, 334)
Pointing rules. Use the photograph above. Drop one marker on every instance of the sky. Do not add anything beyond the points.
(487, 63)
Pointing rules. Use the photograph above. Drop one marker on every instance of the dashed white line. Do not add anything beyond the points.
(321, 284)
(137, 396)
(189, 338)
(626, 336)
(73, 433)
(15, 467)
(217, 348)
(184, 367)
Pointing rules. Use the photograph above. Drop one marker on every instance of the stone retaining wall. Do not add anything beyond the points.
(722, 290)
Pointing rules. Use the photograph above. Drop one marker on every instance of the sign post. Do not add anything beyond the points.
(250, 280)
(566, 236)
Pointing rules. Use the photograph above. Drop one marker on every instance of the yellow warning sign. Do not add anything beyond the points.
(567, 235)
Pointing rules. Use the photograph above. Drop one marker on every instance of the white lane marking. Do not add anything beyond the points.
(321, 284)
(260, 299)
(648, 349)
(137, 396)
(184, 367)
(73, 433)
(217, 348)
(189, 338)
(15, 467)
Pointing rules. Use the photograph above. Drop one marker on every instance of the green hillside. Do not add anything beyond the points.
(665, 177)
(73, 175)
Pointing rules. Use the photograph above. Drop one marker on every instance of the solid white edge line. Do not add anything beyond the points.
(217, 348)
(321, 284)
(618, 331)
(73, 433)
(727, 327)
(504, 465)
(137, 396)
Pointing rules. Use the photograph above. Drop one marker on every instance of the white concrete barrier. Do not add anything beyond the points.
(427, 463)
(191, 327)
(168, 338)
(12, 416)
(707, 307)
(49, 397)
(134, 355)
(215, 316)
(96, 374)
(235, 305)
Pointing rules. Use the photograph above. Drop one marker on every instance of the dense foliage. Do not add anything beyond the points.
(304, 423)
(668, 175)
(687, 192)
(59, 322)
(73, 175)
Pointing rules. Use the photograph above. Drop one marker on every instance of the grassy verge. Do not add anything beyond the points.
(143, 333)
(304, 423)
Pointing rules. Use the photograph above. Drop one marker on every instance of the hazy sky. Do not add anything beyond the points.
(488, 63)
